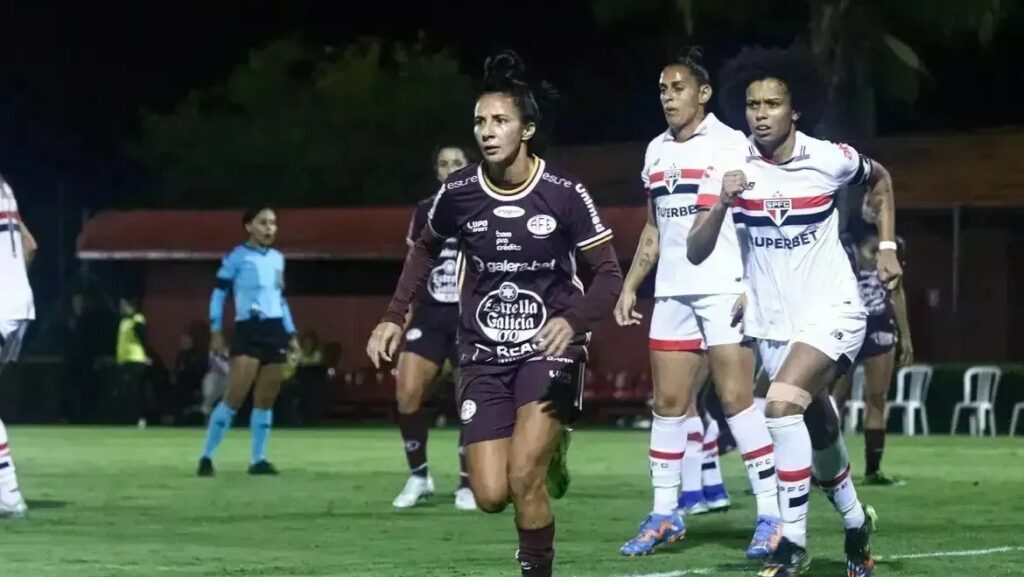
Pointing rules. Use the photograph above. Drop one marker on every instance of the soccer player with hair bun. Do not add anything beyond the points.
(804, 307)
(523, 225)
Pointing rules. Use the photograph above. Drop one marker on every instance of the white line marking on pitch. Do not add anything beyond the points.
(965, 553)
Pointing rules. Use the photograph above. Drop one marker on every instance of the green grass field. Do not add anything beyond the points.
(111, 502)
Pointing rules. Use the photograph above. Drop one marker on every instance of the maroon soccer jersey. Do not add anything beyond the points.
(518, 261)
(443, 284)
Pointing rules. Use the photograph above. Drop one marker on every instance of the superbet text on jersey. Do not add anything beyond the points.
(519, 265)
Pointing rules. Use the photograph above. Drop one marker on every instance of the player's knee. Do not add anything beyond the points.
(491, 499)
(779, 409)
(409, 400)
(670, 405)
(875, 400)
(785, 400)
(735, 400)
(525, 483)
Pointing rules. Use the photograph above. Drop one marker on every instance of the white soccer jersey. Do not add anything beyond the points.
(672, 174)
(795, 263)
(16, 301)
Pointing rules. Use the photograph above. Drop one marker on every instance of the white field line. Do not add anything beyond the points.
(933, 554)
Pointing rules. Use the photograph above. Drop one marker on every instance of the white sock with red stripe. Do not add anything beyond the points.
(711, 474)
(693, 487)
(793, 460)
(750, 430)
(668, 443)
(8, 479)
(832, 470)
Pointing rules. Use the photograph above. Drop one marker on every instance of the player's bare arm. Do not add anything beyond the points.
(387, 335)
(643, 261)
(881, 198)
(899, 305)
(707, 224)
(29, 244)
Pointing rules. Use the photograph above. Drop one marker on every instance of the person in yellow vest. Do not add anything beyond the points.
(133, 359)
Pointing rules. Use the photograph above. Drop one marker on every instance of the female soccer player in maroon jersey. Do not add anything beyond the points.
(429, 342)
(525, 318)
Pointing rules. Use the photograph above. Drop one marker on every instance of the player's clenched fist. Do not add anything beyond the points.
(733, 183)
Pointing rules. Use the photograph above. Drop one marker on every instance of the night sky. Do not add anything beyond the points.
(75, 76)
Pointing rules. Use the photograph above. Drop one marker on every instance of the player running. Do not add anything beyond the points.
(264, 332)
(525, 319)
(17, 309)
(887, 325)
(429, 342)
(693, 312)
(804, 306)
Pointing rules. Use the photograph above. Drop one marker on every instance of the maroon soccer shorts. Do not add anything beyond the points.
(432, 331)
(490, 395)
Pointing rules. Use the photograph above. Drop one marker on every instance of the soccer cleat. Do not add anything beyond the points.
(205, 467)
(880, 479)
(859, 562)
(716, 498)
(766, 537)
(788, 560)
(655, 530)
(12, 505)
(464, 499)
(558, 470)
(692, 503)
(262, 468)
(415, 490)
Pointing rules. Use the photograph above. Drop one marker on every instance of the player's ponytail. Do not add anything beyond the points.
(692, 57)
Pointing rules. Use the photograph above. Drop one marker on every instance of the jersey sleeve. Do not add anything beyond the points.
(443, 217)
(586, 229)
(846, 166)
(225, 282)
(419, 220)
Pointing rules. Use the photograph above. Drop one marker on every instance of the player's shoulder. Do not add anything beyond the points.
(818, 147)
(558, 182)
(464, 180)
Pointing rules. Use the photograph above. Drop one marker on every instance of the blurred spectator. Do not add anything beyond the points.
(189, 368)
(133, 357)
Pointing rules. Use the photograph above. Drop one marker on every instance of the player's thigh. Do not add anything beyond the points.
(241, 377)
(487, 410)
(416, 376)
(732, 362)
(268, 385)
(878, 378)
(676, 349)
(820, 352)
(842, 385)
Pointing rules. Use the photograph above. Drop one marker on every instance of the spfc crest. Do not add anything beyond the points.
(777, 209)
(672, 177)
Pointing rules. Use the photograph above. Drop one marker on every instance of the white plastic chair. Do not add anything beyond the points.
(1013, 422)
(980, 399)
(911, 394)
(854, 408)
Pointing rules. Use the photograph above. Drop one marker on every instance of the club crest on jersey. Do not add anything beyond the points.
(672, 176)
(777, 209)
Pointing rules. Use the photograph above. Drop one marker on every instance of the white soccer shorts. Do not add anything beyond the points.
(12, 333)
(693, 322)
(839, 336)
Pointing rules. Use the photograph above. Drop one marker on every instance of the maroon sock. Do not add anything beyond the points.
(874, 446)
(537, 550)
(414, 434)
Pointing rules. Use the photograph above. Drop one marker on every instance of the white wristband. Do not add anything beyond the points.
(887, 245)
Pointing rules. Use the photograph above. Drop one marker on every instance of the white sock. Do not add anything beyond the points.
(693, 428)
(668, 443)
(761, 403)
(832, 470)
(8, 478)
(711, 474)
(793, 458)
(750, 430)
